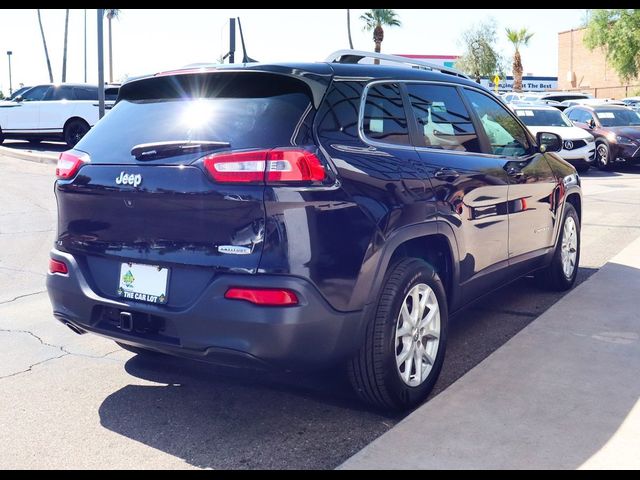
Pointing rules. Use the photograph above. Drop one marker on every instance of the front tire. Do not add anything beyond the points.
(603, 157)
(561, 274)
(74, 131)
(405, 342)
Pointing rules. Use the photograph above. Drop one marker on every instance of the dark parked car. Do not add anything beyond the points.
(298, 215)
(616, 130)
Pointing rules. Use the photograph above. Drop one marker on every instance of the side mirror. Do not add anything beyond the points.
(548, 142)
(591, 123)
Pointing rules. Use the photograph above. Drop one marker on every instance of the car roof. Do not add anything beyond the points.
(345, 71)
(600, 107)
(535, 107)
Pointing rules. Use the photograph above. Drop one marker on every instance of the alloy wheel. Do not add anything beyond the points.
(569, 247)
(417, 335)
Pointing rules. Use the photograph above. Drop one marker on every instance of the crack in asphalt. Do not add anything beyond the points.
(64, 351)
(22, 296)
(33, 365)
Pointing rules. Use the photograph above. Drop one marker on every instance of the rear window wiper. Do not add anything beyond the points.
(147, 151)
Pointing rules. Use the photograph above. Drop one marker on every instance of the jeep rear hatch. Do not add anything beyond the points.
(175, 173)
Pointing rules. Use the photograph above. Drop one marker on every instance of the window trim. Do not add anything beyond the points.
(533, 145)
(420, 143)
(363, 100)
(413, 125)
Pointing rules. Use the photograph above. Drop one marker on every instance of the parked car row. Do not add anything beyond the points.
(599, 132)
(53, 112)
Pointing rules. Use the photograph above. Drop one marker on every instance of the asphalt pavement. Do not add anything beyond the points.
(69, 401)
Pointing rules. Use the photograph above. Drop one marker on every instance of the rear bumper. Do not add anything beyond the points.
(214, 329)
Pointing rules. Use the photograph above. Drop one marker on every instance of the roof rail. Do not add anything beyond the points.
(354, 56)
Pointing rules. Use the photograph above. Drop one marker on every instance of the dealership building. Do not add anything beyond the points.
(587, 70)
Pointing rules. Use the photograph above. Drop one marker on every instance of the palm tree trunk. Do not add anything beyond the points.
(517, 72)
(64, 51)
(110, 54)
(46, 52)
(349, 29)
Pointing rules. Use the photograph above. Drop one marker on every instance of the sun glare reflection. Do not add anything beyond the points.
(197, 114)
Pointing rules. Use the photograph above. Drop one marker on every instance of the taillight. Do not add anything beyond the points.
(55, 266)
(263, 296)
(70, 162)
(271, 166)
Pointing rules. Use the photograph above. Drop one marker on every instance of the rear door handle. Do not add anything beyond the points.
(446, 174)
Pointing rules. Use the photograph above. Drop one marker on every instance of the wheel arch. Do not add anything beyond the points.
(433, 242)
(71, 119)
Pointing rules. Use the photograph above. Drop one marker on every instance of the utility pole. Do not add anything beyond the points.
(100, 65)
(85, 45)
(232, 40)
(10, 86)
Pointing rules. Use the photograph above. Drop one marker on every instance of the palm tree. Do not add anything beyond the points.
(374, 19)
(111, 13)
(519, 38)
(64, 51)
(349, 28)
(46, 52)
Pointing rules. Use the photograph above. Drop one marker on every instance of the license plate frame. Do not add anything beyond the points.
(143, 283)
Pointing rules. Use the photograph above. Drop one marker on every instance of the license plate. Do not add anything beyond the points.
(144, 283)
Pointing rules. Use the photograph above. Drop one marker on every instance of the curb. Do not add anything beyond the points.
(30, 156)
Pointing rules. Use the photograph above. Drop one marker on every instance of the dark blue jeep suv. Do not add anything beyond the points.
(298, 215)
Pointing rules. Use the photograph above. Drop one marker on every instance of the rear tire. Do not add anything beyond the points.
(558, 276)
(378, 372)
(74, 131)
(583, 168)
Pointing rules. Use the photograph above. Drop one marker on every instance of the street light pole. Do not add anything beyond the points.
(9, 52)
(100, 65)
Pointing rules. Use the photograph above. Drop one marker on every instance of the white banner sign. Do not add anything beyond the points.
(531, 84)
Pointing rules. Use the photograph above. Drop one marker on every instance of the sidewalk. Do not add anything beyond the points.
(30, 155)
(562, 394)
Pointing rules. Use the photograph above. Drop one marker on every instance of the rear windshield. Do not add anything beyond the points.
(247, 110)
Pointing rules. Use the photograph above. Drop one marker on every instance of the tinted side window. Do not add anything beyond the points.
(109, 94)
(384, 115)
(442, 118)
(86, 93)
(580, 115)
(36, 93)
(61, 93)
(506, 136)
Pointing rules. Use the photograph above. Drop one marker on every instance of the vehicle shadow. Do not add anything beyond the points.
(226, 418)
(216, 417)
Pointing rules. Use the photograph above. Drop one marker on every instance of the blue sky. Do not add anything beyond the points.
(147, 41)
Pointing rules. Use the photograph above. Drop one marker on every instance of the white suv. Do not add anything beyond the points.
(53, 112)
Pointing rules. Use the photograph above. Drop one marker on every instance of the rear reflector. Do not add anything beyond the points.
(56, 266)
(279, 165)
(70, 162)
(263, 296)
